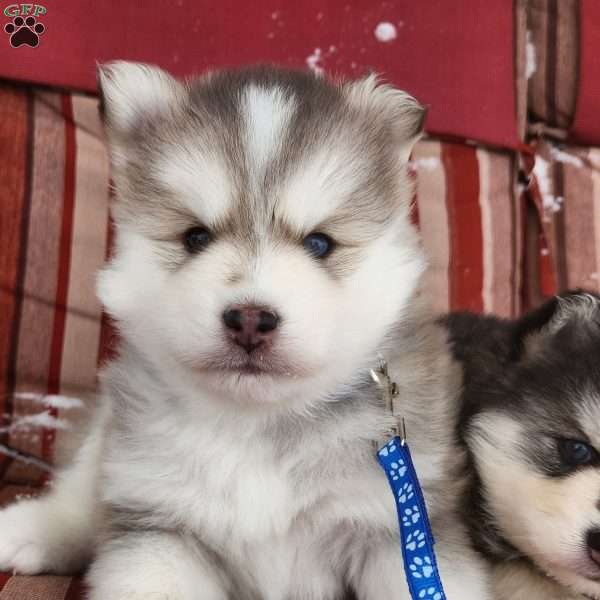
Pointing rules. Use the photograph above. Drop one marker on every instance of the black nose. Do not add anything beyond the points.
(593, 539)
(250, 326)
(593, 542)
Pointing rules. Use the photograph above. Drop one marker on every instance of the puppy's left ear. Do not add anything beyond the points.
(133, 92)
(534, 329)
(402, 113)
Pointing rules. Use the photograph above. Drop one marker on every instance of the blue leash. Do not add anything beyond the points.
(416, 537)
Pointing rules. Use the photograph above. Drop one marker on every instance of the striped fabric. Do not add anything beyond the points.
(53, 218)
(567, 195)
(557, 62)
(586, 126)
(552, 60)
(470, 218)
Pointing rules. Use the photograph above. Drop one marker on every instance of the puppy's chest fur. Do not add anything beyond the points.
(240, 489)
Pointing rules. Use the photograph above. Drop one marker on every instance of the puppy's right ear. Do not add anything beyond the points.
(133, 92)
(539, 325)
(403, 114)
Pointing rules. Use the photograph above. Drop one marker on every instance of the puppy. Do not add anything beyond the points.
(264, 260)
(531, 422)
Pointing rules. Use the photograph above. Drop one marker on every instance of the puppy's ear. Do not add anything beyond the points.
(538, 326)
(131, 92)
(402, 113)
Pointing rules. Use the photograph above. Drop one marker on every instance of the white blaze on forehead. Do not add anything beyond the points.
(318, 188)
(199, 179)
(267, 113)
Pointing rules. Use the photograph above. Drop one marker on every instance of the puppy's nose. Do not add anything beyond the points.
(250, 326)
(593, 542)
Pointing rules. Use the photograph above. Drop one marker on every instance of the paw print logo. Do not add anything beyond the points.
(406, 493)
(411, 516)
(397, 469)
(421, 568)
(388, 449)
(430, 594)
(414, 540)
(24, 31)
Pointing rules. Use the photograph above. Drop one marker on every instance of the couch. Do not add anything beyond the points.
(507, 178)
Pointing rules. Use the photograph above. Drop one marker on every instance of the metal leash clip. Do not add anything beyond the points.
(390, 391)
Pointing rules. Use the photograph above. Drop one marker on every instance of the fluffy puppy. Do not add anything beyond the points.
(531, 422)
(264, 259)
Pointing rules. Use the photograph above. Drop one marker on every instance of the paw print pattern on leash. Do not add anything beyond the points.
(406, 493)
(416, 539)
(421, 567)
(388, 449)
(24, 32)
(411, 516)
(397, 470)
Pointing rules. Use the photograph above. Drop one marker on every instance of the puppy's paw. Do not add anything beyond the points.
(34, 539)
(22, 547)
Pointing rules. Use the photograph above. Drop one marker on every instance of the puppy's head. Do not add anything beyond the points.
(536, 442)
(264, 248)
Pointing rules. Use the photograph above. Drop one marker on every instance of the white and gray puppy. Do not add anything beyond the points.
(264, 258)
(531, 421)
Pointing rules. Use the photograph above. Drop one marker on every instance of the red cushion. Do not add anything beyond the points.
(586, 127)
(456, 56)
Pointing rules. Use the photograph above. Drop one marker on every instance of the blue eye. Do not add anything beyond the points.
(196, 239)
(318, 245)
(575, 453)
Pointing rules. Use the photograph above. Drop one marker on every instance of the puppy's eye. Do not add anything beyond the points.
(318, 245)
(196, 239)
(576, 453)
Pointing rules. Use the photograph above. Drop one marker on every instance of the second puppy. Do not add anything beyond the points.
(530, 419)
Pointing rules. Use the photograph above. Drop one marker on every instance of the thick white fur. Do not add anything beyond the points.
(246, 474)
